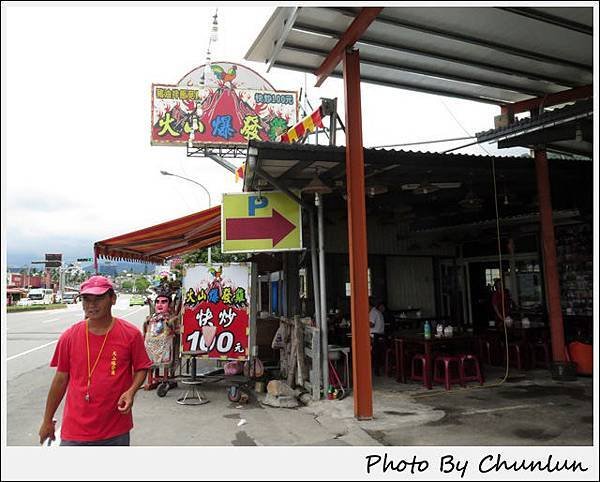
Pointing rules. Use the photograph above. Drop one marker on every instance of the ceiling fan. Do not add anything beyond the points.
(506, 198)
(427, 187)
(471, 202)
(375, 190)
(509, 200)
(394, 219)
(391, 214)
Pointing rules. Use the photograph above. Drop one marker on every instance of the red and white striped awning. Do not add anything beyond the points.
(158, 243)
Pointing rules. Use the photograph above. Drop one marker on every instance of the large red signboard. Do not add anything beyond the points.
(216, 305)
(222, 103)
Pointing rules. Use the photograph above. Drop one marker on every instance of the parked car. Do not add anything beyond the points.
(137, 300)
(70, 297)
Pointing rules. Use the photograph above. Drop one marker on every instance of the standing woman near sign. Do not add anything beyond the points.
(100, 364)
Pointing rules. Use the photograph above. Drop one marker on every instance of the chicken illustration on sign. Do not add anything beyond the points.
(216, 312)
(231, 107)
(225, 76)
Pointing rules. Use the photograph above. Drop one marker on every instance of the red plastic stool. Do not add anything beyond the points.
(541, 347)
(516, 354)
(399, 356)
(447, 379)
(488, 350)
(390, 361)
(467, 359)
(424, 375)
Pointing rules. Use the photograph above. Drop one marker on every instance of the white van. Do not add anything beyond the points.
(40, 296)
(70, 297)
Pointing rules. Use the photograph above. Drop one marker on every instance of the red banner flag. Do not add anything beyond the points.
(308, 124)
(239, 172)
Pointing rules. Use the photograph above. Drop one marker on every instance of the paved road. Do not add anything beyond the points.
(529, 410)
(31, 336)
(30, 342)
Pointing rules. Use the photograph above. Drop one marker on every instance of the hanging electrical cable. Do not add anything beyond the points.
(465, 131)
(499, 245)
(503, 292)
(423, 142)
(499, 242)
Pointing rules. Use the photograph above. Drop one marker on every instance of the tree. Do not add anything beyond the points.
(127, 285)
(177, 270)
(201, 256)
(141, 284)
(55, 275)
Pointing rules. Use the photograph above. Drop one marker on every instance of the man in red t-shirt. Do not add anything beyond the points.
(100, 363)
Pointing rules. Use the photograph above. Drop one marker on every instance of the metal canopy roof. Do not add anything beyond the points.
(497, 55)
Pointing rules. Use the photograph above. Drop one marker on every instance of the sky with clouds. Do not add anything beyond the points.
(77, 165)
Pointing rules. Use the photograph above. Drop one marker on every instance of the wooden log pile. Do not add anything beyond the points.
(300, 358)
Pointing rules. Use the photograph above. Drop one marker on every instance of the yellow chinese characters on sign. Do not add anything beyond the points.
(267, 221)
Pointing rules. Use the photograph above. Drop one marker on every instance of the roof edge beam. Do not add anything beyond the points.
(507, 49)
(273, 182)
(297, 168)
(288, 23)
(108, 253)
(358, 26)
(563, 97)
(550, 19)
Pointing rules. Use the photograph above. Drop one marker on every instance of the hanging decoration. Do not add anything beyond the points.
(308, 124)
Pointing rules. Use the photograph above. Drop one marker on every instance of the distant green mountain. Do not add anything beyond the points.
(109, 268)
(114, 267)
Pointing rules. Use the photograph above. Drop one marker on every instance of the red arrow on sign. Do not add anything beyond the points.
(276, 228)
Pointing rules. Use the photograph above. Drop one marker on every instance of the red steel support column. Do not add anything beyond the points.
(357, 240)
(550, 266)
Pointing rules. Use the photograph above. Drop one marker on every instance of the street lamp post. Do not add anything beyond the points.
(165, 173)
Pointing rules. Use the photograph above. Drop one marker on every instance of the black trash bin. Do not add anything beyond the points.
(564, 371)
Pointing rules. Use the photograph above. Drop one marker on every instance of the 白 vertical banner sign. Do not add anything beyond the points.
(216, 311)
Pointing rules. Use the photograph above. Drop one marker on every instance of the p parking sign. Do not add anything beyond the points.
(266, 221)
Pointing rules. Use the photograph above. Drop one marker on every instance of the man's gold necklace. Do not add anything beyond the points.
(87, 343)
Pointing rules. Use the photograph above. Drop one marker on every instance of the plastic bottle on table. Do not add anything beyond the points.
(427, 330)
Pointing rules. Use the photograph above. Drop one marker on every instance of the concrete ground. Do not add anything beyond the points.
(528, 409)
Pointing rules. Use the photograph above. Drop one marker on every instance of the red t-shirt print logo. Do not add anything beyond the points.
(113, 363)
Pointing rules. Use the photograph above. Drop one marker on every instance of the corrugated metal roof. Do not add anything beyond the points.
(497, 55)
(578, 110)
(505, 221)
(296, 164)
(293, 166)
(565, 129)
